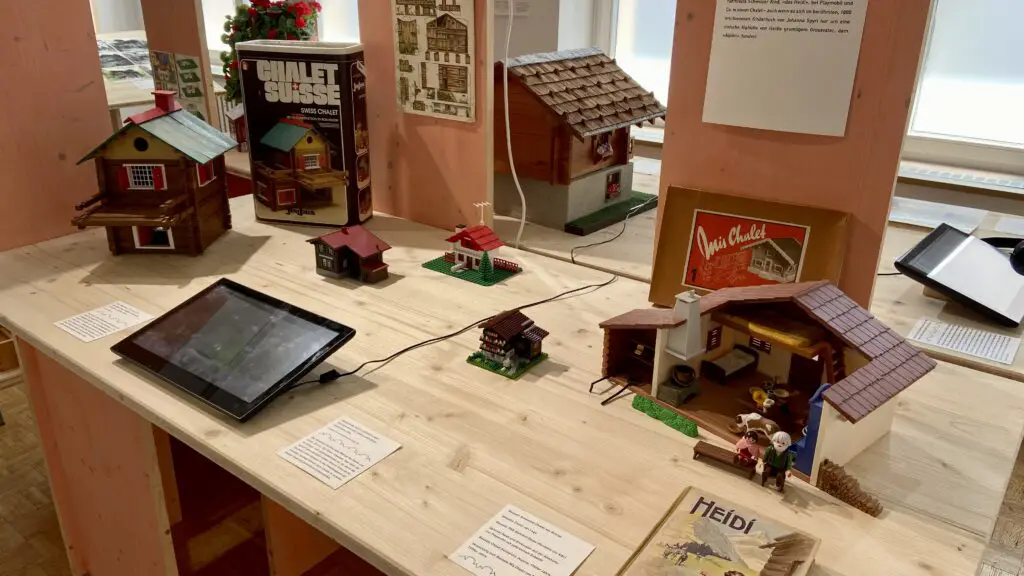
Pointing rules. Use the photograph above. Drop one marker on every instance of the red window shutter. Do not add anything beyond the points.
(158, 178)
(211, 173)
(321, 162)
(145, 234)
(122, 177)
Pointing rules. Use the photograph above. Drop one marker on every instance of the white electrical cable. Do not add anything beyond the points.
(508, 124)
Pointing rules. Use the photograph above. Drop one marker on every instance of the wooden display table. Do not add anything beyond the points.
(125, 454)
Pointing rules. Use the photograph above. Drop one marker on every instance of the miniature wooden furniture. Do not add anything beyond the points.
(571, 112)
(807, 333)
(352, 251)
(299, 172)
(724, 456)
(162, 183)
(468, 446)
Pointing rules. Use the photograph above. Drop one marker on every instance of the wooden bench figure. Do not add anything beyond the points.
(723, 456)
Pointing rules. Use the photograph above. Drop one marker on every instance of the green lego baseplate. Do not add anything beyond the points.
(444, 267)
(477, 359)
(669, 417)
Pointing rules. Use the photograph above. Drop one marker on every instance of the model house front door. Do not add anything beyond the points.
(805, 373)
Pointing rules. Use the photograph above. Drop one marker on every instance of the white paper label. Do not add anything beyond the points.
(339, 452)
(970, 341)
(515, 543)
(96, 324)
(784, 66)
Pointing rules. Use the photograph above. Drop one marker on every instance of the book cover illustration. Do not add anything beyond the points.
(729, 250)
(704, 535)
(305, 113)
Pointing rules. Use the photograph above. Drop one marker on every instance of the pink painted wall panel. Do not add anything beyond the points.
(425, 169)
(99, 455)
(53, 110)
(855, 174)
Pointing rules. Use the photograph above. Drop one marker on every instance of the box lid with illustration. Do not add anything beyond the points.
(305, 113)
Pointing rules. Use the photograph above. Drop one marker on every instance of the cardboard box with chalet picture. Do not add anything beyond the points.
(305, 114)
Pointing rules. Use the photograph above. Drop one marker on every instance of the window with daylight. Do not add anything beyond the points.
(311, 161)
(145, 176)
(762, 345)
(643, 42)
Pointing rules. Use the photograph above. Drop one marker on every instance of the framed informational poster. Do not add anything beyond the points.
(709, 241)
(730, 250)
(434, 58)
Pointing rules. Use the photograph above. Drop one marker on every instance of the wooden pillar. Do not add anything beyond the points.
(53, 110)
(426, 169)
(176, 26)
(854, 174)
(104, 470)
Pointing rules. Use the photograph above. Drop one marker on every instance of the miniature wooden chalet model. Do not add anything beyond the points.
(803, 355)
(237, 126)
(298, 173)
(511, 339)
(162, 184)
(352, 251)
(570, 115)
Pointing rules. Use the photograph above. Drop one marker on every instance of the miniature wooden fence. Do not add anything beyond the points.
(508, 265)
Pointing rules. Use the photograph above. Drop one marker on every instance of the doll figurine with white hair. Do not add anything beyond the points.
(777, 460)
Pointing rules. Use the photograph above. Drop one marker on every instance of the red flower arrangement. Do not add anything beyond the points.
(269, 19)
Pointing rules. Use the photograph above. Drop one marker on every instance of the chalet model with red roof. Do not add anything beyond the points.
(830, 369)
(352, 251)
(470, 244)
(162, 184)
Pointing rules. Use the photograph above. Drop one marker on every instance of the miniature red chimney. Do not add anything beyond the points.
(165, 99)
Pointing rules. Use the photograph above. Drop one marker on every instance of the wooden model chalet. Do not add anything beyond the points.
(775, 258)
(298, 173)
(352, 251)
(237, 126)
(571, 112)
(832, 369)
(510, 344)
(162, 184)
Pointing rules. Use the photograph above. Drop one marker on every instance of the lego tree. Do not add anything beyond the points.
(486, 268)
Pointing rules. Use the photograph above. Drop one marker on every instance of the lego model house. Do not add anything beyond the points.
(295, 171)
(803, 355)
(570, 113)
(352, 251)
(162, 184)
(510, 344)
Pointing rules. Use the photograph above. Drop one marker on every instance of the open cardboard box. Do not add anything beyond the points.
(708, 241)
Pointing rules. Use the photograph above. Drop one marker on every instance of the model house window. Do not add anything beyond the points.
(613, 187)
(762, 345)
(205, 173)
(453, 78)
(153, 238)
(286, 197)
(144, 176)
(714, 338)
(311, 161)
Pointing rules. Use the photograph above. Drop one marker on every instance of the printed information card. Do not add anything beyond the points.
(109, 319)
(515, 543)
(981, 343)
(339, 452)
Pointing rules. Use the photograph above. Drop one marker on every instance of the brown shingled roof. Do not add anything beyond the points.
(511, 323)
(587, 89)
(894, 364)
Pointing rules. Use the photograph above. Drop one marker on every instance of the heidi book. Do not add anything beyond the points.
(704, 535)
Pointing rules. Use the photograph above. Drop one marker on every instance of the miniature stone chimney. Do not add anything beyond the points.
(687, 341)
(165, 100)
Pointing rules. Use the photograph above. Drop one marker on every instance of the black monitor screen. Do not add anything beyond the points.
(236, 341)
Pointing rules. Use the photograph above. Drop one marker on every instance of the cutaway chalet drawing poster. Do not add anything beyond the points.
(710, 241)
(305, 113)
(704, 535)
(729, 250)
(434, 58)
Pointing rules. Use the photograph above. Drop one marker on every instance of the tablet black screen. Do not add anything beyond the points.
(231, 339)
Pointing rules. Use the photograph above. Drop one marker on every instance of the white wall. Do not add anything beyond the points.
(576, 24)
(774, 364)
(840, 441)
(550, 25)
(116, 15)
